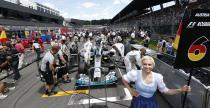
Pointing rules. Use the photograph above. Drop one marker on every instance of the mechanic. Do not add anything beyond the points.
(132, 59)
(48, 69)
(87, 49)
(63, 59)
(118, 48)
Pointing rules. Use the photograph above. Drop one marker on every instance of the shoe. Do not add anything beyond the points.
(11, 88)
(50, 93)
(54, 92)
(47, 93)
(13, 81)
(2, 96)
(66, 81)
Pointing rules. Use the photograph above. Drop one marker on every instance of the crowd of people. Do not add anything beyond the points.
(166, 46)
(138, 64)
(13, 59)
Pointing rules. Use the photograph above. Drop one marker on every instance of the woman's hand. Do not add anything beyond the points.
(134, 93)
(185, 88)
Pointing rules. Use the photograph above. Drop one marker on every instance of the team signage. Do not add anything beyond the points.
(194, 45)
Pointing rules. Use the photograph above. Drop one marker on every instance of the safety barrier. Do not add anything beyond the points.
(29, 59)
(199, 97)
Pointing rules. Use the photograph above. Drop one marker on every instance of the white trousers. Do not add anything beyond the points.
(21, 60)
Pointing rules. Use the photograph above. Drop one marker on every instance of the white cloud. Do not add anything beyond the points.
(126, 1)
(92, 16)
(48, 4)
(62, 13)
(65, 14)
(116, 2)
(88, 4)
(106, 13)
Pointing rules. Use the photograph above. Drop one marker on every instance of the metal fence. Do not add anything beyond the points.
(174, 78)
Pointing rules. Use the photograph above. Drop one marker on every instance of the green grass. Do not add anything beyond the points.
(153, 45)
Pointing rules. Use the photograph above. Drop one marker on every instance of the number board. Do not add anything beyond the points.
(194, 44)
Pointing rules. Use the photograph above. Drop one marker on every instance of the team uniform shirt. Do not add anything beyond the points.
(132, 35)
(64, 49)
(48, 57)
(90, 34)
(146, 90)
(127, 60)
(36, 45)
(113, 33)
(120, 47)
(63, 37)
(103, 37)
(87, 47)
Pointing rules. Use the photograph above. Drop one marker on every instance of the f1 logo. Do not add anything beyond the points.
(191, 25)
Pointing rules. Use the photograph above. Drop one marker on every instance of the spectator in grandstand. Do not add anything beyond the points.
(132, 59)
(48, 69)
(147, 82)
(169, 47)
(20, 48)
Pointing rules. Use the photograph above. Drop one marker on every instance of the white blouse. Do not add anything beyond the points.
(146, 90)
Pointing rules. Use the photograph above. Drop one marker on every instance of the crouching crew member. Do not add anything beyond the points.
(48, 69)
(132, 59)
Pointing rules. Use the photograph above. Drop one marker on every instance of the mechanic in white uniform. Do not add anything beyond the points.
(118, 48)
(87, 49)
(133, 58)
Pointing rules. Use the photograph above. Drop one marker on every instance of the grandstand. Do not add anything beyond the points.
(159, 16)
(15, 15)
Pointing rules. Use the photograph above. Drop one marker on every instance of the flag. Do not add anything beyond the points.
(3, 37)
(178, 34)
(26, 33)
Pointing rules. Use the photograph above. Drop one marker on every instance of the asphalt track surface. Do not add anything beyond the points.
(29, 93)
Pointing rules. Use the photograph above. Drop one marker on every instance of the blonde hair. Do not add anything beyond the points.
(148, 58)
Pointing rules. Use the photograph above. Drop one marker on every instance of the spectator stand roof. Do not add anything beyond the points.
(137, 7)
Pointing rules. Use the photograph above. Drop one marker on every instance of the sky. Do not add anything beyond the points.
(86, 9)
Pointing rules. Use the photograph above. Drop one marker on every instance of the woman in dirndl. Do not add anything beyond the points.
(146, 84)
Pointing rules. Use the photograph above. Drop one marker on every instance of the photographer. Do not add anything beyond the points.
(4, 60)
(12, 55)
